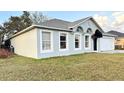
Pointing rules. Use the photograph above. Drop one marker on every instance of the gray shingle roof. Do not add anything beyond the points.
(58, 23)
(109, 34)
(119, 34)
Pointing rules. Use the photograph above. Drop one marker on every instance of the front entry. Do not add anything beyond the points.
(95, 37)
(95, 44)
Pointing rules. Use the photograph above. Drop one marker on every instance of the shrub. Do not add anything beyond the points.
(4, 53)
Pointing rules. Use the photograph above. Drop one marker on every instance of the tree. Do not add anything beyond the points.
(38, 18)
(18, 23)
(25, 19)
(15, 23)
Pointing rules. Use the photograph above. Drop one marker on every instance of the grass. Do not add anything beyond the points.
(92, 66)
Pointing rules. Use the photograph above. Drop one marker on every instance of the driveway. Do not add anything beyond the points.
(114, 51)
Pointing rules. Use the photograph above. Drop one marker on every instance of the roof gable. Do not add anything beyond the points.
(79, 22)
(72, 24)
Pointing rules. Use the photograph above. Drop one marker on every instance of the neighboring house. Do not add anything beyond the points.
(56, 37)
(119, 41)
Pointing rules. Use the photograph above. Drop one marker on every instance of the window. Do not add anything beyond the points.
(63, 41)
(89, 30)
(77, 41)
(46, 40)
(79, 29)
(86, 41)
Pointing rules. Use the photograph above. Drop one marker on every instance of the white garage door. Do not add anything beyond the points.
(106, 43)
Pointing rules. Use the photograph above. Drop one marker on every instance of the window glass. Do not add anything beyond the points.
(63, 41)
(46, 41)
(86, 41)
(77, 41)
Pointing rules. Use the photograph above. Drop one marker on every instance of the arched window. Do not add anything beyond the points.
(89, 30)
(79, 29)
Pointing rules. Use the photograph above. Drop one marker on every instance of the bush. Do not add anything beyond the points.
(4, 53)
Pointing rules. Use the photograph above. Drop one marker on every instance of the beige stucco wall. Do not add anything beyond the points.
(26, 44)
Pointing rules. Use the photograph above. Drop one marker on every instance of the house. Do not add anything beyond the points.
(119, 41)
(57, 37)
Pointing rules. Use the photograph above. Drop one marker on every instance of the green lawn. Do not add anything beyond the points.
(90, 66)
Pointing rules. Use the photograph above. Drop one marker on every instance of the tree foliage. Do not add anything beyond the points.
(38, 18)
(18, 23)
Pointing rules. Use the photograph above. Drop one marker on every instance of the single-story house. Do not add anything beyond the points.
(57, 37)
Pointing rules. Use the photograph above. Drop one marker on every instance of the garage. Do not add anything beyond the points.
(107, 43)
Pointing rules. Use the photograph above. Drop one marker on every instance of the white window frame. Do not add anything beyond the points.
(66, 41)
(89, 41)
(46, 51)
(79, 41)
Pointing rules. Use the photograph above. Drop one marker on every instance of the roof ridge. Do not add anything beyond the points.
(82, 18)
(60, 20)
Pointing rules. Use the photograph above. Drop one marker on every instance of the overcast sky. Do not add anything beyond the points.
(107, 20)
